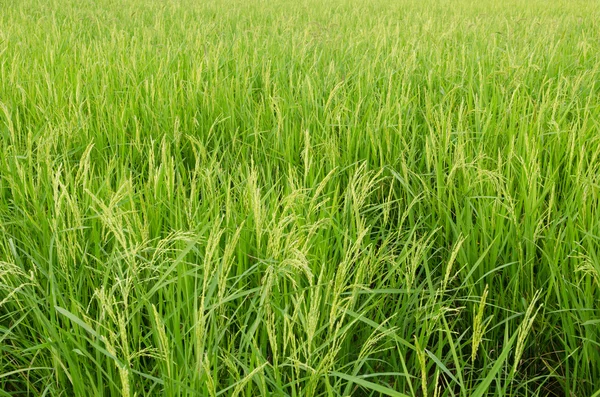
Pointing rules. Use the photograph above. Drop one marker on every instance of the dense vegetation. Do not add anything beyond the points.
(299, 198)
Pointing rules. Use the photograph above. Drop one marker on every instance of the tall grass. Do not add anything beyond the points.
(299, 198)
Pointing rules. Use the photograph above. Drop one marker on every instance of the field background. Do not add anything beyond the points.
(299, 198)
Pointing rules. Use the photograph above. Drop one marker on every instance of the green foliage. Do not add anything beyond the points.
(299, 198)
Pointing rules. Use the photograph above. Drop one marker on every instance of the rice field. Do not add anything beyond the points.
(299, 198)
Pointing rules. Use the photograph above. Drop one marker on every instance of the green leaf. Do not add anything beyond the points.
(369, 385)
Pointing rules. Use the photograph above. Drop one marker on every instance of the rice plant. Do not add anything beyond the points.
(299, 198)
